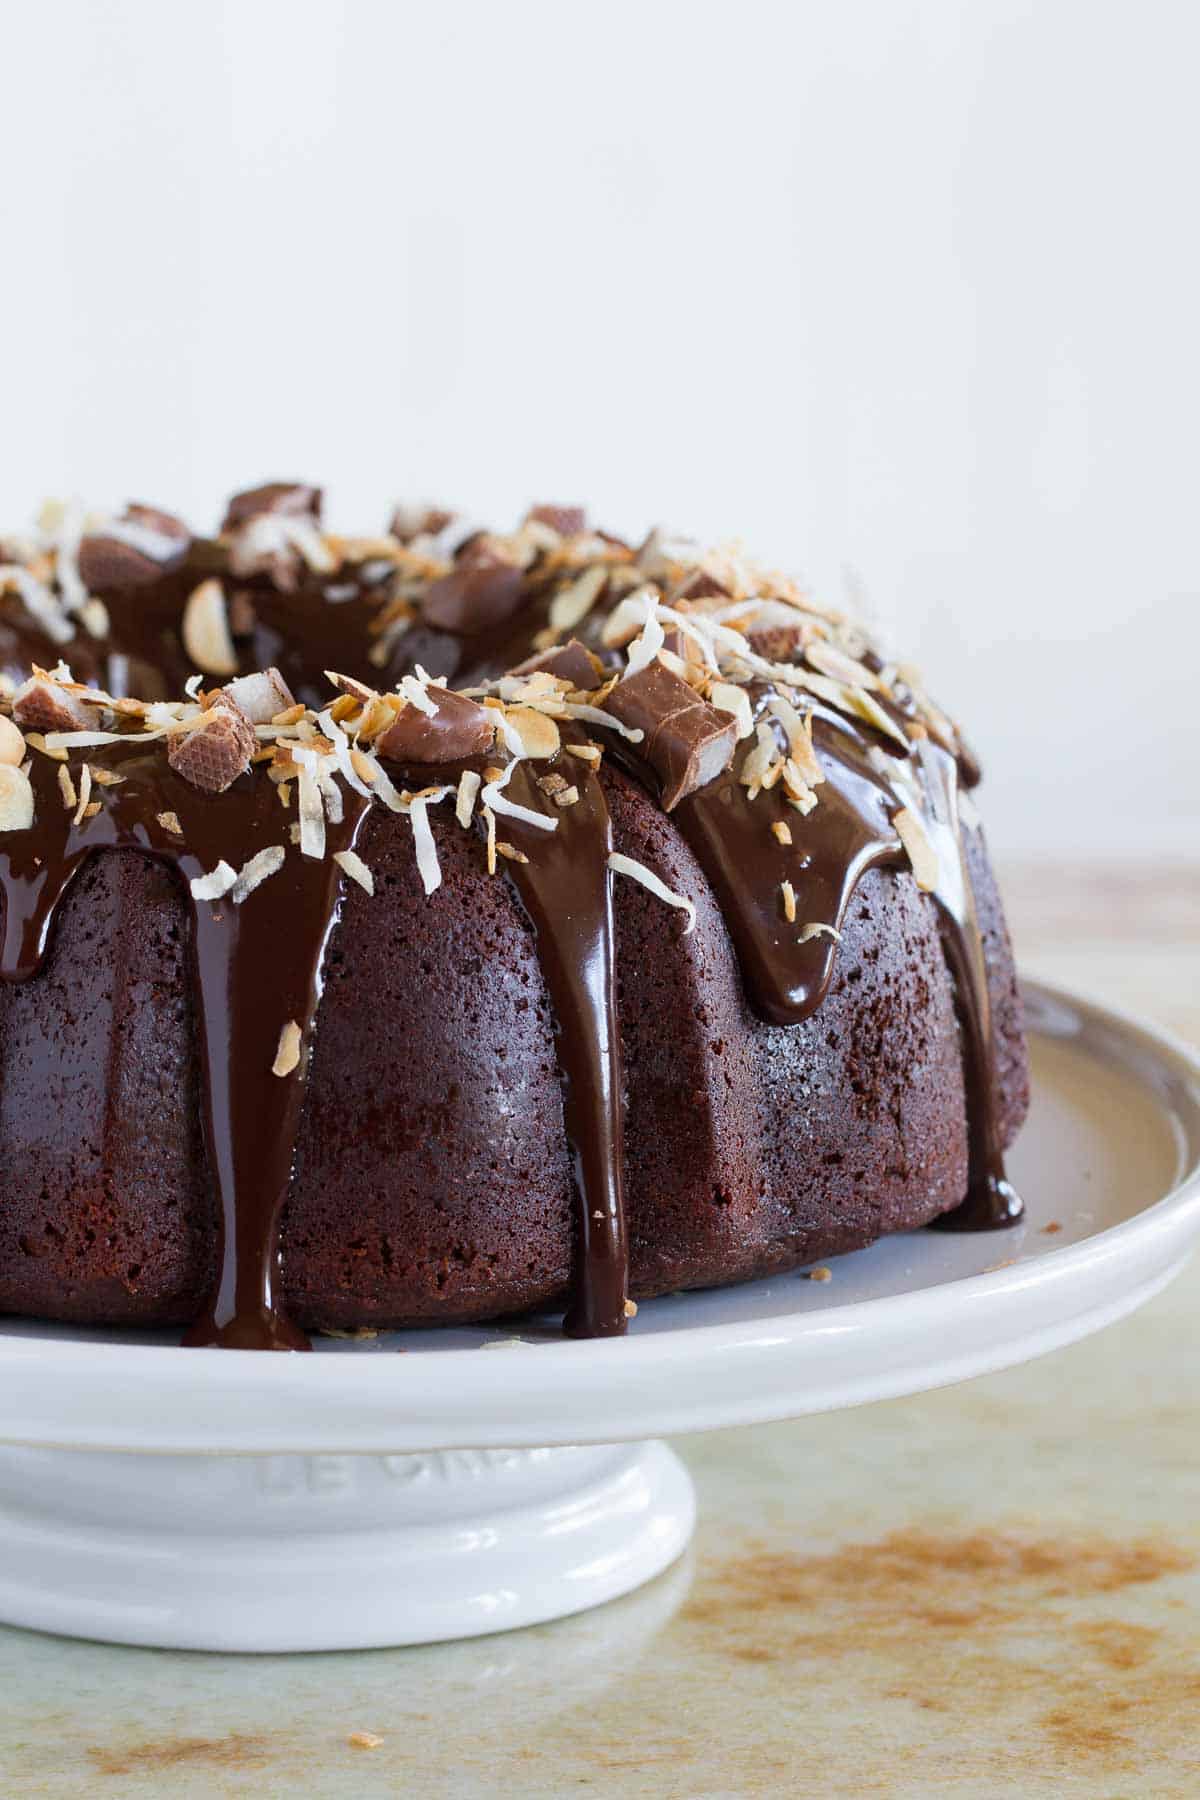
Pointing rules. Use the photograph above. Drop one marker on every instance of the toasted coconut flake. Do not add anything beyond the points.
(787, 894)
(489, 819)
(628, 618)
(205, 629)
(67, 788)
(727, 697)
(16, 799)
(493, 794)
(287, 1057)
(43, 606)
(625, 865)
(566, 796)
(310, 804)
(105, 777)
(781, 832)
(428, 867)
(592, 715)
(588, 753)
(816, 928)
(469, 783)
(215, 884)
(170, 822)
(649, 641)
(344, 754)
(85, 794)
(352, 864)
(510, 852)
(919, 848)
(839, 667)
(413, 690)
(252, 874)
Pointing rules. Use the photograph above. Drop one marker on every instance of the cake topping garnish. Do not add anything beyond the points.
(47, 703)
(474, 597)
(205, 629)
(437, 725)
(287, 1057)
(212, 749)
(16, 798)
(627, 865)
(136, 547)
(687, 742)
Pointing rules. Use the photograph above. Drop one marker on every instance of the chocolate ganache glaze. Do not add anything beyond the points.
(838, 765)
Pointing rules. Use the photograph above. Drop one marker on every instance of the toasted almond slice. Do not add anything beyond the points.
(12, 744)
(539, 734)
(16, 799)
(70, 798)
(170, 822)
(787, 894)
(782, 832)
(206, 634)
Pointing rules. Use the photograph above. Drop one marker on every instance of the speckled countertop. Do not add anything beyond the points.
(989, 1590)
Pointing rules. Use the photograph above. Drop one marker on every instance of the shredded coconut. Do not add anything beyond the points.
(213, 885)
(625, 865)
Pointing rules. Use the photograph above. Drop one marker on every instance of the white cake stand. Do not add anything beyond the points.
(440, 1485)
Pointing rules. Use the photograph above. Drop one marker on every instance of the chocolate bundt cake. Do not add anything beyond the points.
(425, 928)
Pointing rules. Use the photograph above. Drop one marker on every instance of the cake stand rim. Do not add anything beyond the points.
(60, 1393)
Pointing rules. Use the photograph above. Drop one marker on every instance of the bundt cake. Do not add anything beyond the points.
(499, 922)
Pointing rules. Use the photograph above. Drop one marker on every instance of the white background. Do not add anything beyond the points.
(910, 290)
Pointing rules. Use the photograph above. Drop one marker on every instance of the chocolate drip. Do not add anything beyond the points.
(256, 966)
(849, 832)
(565, 888)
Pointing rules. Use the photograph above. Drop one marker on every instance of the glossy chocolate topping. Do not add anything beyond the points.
(783, 871)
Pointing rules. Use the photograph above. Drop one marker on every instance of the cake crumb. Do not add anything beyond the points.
(364, 1740)
(631, 1309)
(1050, 1229)
(820, 1273)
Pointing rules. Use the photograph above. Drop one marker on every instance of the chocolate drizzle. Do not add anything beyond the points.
(566, 889)
(256, 966)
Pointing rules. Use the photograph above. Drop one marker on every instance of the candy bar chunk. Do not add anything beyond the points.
(474, 598)
(141, 545)
(457, 729)
(571, 662)
(293, 499)
(261, 696)
(568, 521)
(699, 585)
(421, 520)
(214, 752)
(687, 742)
(41, 704)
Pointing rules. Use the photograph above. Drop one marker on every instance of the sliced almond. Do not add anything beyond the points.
(16, 799)
(206, 635)
(12, 744)
(539, 735)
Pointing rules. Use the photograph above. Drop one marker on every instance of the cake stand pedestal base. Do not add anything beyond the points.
(330, 1552)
